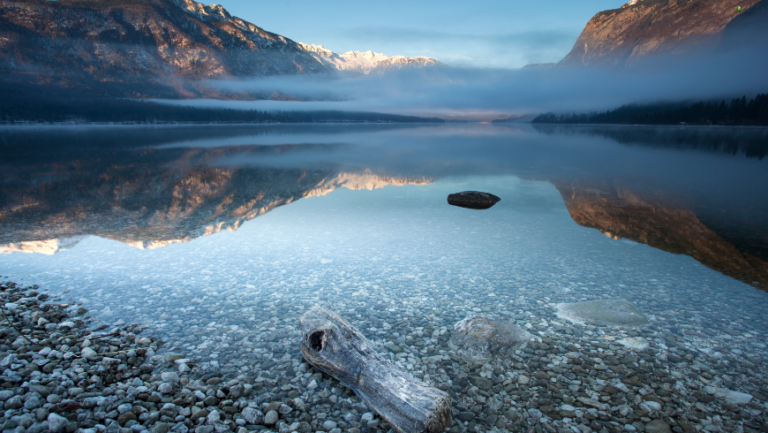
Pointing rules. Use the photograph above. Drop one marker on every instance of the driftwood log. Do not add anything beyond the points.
(335, 347)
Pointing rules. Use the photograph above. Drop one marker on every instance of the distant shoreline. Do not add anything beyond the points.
(653, 125)
(36, 124)
(17, 109)
(21, 124)
(736, 112)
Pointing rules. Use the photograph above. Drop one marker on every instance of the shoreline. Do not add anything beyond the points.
(593, 378)
(58, 375)
(37, 124)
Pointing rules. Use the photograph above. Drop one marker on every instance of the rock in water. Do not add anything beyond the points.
(478, 338)
(603, 312)
(657, 426)
(473, 199)
(57, 423)
(271, 417)
(172, 356)
(733, 397)
(637, 343)
(333, 346)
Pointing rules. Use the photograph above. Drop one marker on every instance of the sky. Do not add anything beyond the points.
(478, 34)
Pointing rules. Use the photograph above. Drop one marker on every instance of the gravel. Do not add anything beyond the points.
(566, 378)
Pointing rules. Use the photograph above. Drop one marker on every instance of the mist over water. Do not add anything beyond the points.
(487, 93)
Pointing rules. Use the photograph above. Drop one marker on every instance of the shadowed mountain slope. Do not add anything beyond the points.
(621, 37)
(130, 46)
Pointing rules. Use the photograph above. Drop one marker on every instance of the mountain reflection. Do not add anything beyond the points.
(693, 191)
(618, 211)
(149, 198)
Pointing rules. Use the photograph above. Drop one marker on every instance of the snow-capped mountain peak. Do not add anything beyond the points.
(318, 49)
(364, 61)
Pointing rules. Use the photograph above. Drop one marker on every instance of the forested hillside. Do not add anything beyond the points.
(739, 111)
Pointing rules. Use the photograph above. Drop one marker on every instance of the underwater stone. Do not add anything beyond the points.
(733, 397)
(637, 343)
(478, 338)
(657, 426)
(603, 312)
(172, 356)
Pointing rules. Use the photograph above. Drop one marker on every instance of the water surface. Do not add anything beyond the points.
(219, 238)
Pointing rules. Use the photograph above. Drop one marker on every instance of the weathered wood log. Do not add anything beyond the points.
(335, 347)
(473, 199)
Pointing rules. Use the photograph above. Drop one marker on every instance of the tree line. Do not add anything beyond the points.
(739, 111)
(25, 109)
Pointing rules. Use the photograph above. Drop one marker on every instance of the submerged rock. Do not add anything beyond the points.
(473, 199)
(603, 312)
(478, 338)
(657, 426)
(172, 356)
(733, 397)
(637, 343)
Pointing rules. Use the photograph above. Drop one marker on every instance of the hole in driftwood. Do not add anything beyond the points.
(316, 340)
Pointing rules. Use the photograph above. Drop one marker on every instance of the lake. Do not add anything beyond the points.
(220, 237)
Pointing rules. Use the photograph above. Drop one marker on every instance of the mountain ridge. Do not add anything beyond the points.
(170, 43)
(639, 29)
(365, 61)
(156, 48)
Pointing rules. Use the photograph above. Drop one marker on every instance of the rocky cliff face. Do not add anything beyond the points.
(366, 61)
(169, 43)
(620, 212)
(620, 37)
(747, 30)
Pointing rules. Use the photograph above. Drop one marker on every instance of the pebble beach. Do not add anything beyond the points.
(63, 373)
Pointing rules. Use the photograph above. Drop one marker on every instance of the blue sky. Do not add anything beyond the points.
(478, 33)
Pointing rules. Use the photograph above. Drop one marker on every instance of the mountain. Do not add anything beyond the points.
(139, 47)
(747, 30)
(367, 61)
(621, 37)
(154, 48)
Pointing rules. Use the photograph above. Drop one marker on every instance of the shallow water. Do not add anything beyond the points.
(219, 238)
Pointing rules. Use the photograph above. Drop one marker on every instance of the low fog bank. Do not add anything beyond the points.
(484, 94)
